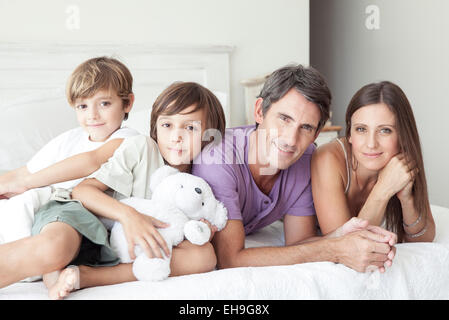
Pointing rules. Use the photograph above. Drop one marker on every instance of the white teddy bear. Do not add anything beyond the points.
(179, 199)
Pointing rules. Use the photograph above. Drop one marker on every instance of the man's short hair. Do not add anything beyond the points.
(306, 80)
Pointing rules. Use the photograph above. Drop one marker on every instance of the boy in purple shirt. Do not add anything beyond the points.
(262, 173)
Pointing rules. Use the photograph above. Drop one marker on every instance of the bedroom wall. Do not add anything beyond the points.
(404, 41)
(266, 34)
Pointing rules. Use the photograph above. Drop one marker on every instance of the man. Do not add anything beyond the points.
(263, 174)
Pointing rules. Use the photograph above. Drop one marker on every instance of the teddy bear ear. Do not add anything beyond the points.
(160, 174)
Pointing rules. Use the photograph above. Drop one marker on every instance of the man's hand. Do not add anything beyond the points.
(363, 250)
(361, 245)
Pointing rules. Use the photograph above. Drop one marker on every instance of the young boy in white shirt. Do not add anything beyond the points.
(100, 91)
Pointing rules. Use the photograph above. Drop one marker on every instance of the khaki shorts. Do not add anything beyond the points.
(95, 249)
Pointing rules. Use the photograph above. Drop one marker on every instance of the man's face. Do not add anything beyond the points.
(286, 130)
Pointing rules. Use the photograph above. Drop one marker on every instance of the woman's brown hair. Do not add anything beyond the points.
(181, 95)
(409, 143)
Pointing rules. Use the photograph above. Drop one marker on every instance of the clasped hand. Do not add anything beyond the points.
(397, 177)
(366, 247)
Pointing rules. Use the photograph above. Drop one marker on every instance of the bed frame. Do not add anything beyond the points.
(33, 76)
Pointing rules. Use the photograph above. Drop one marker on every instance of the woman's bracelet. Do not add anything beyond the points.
(418, 234)
(414, 223)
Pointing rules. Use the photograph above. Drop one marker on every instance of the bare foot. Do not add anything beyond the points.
(67, 282)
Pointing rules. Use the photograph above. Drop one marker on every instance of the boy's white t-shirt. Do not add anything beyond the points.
(68, 144)
(17, 213)
(129, 170)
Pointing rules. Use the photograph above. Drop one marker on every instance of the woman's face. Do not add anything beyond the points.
(179, 136)
(374, 136)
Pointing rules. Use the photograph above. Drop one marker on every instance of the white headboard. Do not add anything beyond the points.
(33, 76)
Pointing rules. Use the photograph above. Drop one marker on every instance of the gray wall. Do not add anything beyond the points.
(410, 48)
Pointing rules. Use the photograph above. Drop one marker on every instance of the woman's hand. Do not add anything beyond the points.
(397, 177)
(140, 229)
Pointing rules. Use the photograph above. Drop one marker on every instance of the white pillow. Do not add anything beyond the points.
(441, 217)
(139, 120)
(26, 127)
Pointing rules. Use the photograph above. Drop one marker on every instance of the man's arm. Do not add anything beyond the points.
(229, 244)
(75, 167)
(357, 250)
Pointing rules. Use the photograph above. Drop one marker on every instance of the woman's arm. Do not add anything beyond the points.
(418, 226)
(328, 189)
(139, 229)
(75, 167)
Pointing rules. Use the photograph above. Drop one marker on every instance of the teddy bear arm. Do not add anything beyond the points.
(174, 233)
(197, 232)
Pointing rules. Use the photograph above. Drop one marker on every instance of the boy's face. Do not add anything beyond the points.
(179, 136)
(101, 114)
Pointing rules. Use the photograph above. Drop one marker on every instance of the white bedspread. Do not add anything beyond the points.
(419, 271)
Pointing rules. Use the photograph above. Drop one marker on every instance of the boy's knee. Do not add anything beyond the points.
(206, 258)
(58, 249)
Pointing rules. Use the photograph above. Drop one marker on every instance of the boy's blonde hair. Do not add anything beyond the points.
(101, 73)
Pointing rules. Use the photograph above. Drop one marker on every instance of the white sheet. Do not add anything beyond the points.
(419, 271)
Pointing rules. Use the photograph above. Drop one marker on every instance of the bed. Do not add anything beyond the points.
(34, 110)
(419, 271)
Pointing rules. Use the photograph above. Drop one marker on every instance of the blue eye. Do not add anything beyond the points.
(307, 127)
(386, 130)
(165, 125)
(360, 129)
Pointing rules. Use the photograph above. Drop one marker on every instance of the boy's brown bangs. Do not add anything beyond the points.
(182, 102)
(175, 108)
(88, 79)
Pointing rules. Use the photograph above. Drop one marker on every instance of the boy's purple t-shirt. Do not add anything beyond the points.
(225, 167)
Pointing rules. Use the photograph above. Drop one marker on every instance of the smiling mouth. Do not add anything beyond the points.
(282, 150)
(372, 155)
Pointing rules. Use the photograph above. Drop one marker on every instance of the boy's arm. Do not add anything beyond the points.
(10, 182)
(75, 167)
(139, 229)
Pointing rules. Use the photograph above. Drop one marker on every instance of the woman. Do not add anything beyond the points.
(376, 172)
